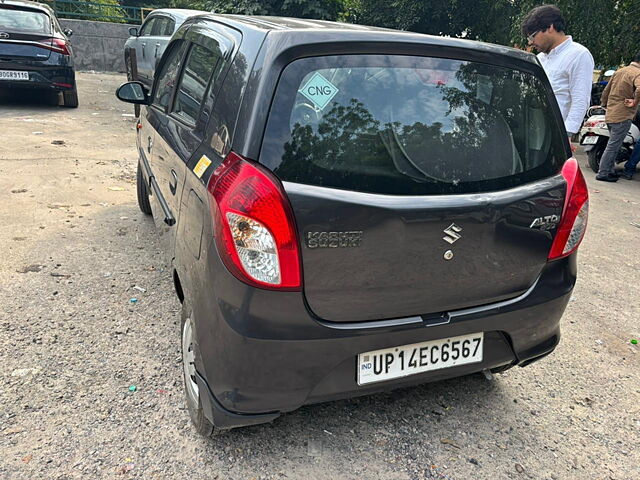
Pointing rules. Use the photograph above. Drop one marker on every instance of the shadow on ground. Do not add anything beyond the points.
(29, 99)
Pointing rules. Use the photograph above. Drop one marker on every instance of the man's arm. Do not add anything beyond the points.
(635, 101)
(580, 79)
(636, 84)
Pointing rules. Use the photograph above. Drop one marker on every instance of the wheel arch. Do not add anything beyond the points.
(178, 285)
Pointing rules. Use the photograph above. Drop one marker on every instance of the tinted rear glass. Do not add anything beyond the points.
(410, 126)
(24, 20)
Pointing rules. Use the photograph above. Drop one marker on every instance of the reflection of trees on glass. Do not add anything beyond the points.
(196, 75)
(350, 143)
(418, 131)
(495, 97)
(344, 143)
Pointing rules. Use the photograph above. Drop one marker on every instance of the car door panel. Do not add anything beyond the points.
(141, 49)
(179, 131)
(194, 213)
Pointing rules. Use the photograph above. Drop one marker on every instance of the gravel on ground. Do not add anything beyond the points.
(91, 381)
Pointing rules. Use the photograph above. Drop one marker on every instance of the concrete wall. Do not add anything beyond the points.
(98, 46)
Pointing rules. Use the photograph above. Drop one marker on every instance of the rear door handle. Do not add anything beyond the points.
(143, 45)
(149, 144)
(173, 182)
(157, 47)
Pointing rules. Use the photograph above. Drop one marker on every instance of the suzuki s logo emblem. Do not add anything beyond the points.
(4, 35)
(452, 233)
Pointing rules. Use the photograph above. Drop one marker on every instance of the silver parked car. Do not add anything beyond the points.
(145, 47)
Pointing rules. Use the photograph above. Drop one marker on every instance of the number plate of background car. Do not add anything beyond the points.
(590, 140)
(13, 75)
(406, 360)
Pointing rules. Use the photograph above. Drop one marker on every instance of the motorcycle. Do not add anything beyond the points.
(594, 136)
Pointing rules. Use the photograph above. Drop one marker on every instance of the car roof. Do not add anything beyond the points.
(308, 30)
(178, 13)
(31, 5)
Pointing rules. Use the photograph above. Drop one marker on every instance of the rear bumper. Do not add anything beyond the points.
(49, 75)
(263, 353)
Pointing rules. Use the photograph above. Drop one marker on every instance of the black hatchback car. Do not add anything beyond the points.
(349, 209)
(34, 50)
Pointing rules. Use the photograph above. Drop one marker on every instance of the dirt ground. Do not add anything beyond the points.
(91, 378)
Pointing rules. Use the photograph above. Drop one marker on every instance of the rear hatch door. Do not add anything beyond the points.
(419, 185)
(25, 34)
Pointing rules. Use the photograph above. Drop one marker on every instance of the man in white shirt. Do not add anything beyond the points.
(568, 64)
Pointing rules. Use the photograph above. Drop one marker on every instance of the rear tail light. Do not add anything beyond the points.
(573, 223)
(253, 225)
(595, 124)
(56, 45)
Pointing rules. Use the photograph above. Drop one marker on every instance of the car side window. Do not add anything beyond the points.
(145, 31)
(159, 27)
(168, 75)
(169, 27)
(199, 67)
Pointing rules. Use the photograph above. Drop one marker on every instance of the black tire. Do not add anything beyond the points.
(201, 423)
(143, 193)
(70, 98)
(595, 154)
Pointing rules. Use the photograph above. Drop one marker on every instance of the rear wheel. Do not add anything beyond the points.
(70, 98)
(143, 193)
(192, 391)
(594, 155)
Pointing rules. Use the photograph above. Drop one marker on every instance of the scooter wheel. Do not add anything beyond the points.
(594, 157)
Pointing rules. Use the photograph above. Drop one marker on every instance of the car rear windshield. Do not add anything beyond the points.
(24, 21)
(407, 125)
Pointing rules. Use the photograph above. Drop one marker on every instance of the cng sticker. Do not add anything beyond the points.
(202, 166)
(319, 90)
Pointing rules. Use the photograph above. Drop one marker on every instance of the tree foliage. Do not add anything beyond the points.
(320, 9)
(487, 20)
(609, 28)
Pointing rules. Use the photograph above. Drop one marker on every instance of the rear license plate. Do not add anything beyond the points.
(590, 140)
(397, 362)
(13, 75)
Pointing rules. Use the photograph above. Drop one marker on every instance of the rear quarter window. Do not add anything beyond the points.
(169, 27)
(407, 125)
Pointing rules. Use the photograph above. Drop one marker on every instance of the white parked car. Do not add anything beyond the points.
(150, 40)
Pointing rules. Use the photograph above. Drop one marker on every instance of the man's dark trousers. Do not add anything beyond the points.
(617, 132)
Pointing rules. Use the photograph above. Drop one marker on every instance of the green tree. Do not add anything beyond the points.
(487, 20)
(146, 3)
(610, 29)
(319, 9)
(100, 10)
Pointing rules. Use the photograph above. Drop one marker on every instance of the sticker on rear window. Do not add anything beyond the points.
(319, 90)
(202, 166)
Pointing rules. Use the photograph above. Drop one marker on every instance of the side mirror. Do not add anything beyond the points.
(133, 92)
(133, 31)
(68, 32)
